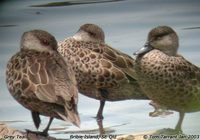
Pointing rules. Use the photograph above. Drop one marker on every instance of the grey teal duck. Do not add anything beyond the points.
(39, 79)
(102, 72)
(167, 77)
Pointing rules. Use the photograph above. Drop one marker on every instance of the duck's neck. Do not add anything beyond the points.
(170, 52)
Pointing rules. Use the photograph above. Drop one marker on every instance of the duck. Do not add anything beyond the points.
(165, 76)
(41, 81)
(102, 72)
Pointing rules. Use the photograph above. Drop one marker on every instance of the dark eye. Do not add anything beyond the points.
(91, 33)
(160, 36)
(45, 42)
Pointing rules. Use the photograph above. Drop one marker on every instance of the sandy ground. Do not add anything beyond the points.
(7, 133)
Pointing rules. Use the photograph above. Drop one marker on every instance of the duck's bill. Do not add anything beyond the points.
(147, 47)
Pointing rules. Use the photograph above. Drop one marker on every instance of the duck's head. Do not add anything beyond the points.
(162, 38)
(90, 32)
(38, 40)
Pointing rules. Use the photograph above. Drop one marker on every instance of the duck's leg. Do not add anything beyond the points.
(36, 119)
(104, 95)
(179, 124)
(45, 131)
(100, 111)
(101, 129)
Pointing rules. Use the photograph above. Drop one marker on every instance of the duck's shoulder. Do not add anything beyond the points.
(182, 64)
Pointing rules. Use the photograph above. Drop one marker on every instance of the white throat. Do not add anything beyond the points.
(34, 45)
(83, 36)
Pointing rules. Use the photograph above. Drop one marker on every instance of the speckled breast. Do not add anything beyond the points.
(167, 81)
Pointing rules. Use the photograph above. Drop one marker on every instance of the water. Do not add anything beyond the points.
(126, 24)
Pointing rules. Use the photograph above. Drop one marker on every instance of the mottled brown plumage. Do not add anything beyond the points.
(166, 77)
(40, 80)
(102, 72)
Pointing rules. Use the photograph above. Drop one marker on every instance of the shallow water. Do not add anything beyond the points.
(126, 24)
